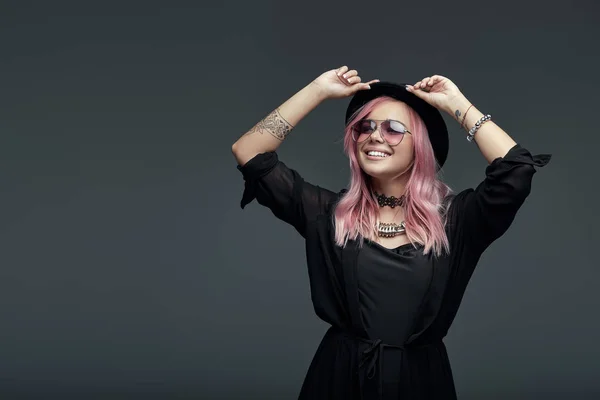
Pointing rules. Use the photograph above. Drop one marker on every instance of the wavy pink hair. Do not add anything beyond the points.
(357, 210)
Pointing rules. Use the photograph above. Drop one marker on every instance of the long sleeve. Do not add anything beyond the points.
(490, 209)
(283, 191)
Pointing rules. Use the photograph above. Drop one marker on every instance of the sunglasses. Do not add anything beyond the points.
(392, 131)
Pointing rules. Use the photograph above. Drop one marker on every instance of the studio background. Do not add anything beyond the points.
(128, 269)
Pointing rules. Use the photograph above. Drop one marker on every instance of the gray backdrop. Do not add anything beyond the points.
(127, 268)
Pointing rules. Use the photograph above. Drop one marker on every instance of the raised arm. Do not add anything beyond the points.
(487, 211)
(443, 94)
(269, 180)
(268, 134)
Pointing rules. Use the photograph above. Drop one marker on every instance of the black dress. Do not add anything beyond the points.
(388, 309)
(392, 284)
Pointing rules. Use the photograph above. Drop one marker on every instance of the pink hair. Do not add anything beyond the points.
(356, 212)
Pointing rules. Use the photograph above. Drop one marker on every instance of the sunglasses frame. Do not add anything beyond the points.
(378, 123)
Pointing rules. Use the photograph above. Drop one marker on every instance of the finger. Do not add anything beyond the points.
(344, 81)
(373, 81)
(432, 81)
(354, 79)
(363, 86)
(419, 93)
(350, 74)
(414, 90)
(341, 70)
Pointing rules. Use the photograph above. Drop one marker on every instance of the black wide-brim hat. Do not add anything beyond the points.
(436, 127)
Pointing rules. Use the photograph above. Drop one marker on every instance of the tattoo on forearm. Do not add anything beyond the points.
(275, 124)
(457, 113)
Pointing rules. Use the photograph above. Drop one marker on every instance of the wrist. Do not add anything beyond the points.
(457, 107)
(317, 91)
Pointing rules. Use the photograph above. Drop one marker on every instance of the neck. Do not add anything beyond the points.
(393, 187)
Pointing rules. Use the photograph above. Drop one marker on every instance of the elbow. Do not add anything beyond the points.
(234, 148)
(237, 154)
(514, 186)
(518, 192)
(522, 186)
(521, 194)
(242, 154)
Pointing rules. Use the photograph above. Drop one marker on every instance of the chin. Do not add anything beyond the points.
(379, 172)
(381, 175)
(383, 169)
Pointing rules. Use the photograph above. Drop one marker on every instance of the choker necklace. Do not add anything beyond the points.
(390, 229)
(391, 201)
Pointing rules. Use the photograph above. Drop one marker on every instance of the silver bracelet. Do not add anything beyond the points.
(478, 124)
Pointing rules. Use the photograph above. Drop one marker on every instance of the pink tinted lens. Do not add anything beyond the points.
(394, 131)
(363, 129)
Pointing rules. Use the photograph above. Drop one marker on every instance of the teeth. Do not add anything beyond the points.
(377, 154)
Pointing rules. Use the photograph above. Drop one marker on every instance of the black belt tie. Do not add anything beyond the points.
(369, 365)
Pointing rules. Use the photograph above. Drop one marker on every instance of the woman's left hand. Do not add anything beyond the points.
(438, 91)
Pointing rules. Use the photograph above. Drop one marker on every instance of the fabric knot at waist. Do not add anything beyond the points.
(370, 363)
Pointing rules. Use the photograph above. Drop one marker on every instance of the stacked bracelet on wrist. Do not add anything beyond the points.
(478, 124)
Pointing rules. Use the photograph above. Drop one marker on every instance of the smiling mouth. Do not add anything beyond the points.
(377, 154)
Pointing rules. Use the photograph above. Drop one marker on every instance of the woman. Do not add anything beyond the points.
(390, 257)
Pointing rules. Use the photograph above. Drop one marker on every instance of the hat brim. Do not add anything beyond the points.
(434, 122)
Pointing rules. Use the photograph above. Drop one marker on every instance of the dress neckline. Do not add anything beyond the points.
(394, 249)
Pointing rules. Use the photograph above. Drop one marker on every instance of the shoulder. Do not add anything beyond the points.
(330, 200)
(453, 206)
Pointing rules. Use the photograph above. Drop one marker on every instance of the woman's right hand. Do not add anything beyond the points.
(341, 82)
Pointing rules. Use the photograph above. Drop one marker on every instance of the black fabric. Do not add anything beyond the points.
(391, 286)
(353, 361)
(431, 116)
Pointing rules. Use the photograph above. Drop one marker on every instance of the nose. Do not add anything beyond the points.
(376, 135)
